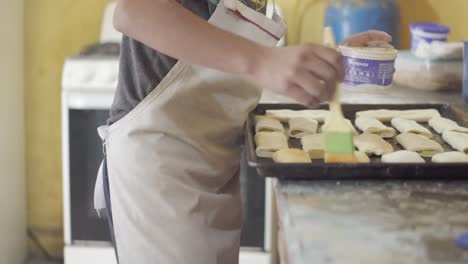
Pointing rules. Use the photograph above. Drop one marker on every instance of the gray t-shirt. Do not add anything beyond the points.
(142, 68)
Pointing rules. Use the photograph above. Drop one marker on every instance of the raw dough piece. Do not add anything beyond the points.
(291, 156)
(316, 114)
(441, 124)
(259, 118)
(284, 115)
(383, 115)
(410, 126)
(314, 145)
(372, 144)
(450, 157)
(419, 115)
(459, 129)
(373, 126)
(402, 156)
(266, 124)
(301, 126)
(269, 142)
(361, 157)
(457, 140)
(420, 144)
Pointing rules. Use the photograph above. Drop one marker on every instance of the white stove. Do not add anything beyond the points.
(88, 84)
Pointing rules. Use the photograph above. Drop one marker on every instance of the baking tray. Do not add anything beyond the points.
(318, 170)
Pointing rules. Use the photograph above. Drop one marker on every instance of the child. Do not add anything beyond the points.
(173, 140)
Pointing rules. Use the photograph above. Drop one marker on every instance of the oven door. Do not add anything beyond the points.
(253, 206)
(85, 156)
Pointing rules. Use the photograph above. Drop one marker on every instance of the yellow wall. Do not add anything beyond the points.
(54, 29)
(305, 18)
(453, 13)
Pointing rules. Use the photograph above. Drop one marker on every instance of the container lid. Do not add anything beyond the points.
(369, 52)
(430, 27)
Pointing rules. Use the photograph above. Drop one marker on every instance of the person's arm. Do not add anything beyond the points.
(307, 73)
(166, 26)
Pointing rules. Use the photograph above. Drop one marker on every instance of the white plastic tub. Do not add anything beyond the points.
(368, 69)
(424, 34)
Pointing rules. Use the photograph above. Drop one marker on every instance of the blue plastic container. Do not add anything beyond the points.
(348, 17)
(465, 76)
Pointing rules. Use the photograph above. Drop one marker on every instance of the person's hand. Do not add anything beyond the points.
(371, 38)
(309, 73)
(306, 73)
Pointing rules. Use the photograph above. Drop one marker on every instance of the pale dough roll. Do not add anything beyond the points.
(316, 114)
(457, 140)
(284, 115)
(420, 144)
(459, 129)
(314, 145)
(450, 157)
(383, 115)
(410, 126)
(301, 126)
(266, 124)
(440, 124)
(371, 125)
(291, 156)
(269, 142)
(372, 144)
(402, 156)
(259, 118)
(361, 157)
(419, 115)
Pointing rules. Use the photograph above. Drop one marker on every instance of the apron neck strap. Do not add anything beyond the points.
(275, 26)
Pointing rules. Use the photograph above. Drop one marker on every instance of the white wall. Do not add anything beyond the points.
(12, 186)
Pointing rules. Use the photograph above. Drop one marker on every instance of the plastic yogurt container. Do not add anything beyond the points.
(423, 34)
(368, 69)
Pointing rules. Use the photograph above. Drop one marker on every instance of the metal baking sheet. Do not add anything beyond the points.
(318, 170)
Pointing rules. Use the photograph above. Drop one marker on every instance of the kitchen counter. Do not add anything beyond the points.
(371, 222)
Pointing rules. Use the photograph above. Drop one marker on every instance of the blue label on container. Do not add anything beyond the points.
(416, 40)
(363, 71)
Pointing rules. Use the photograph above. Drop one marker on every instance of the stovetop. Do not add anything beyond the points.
(95, 68)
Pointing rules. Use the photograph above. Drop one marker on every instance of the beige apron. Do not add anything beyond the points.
(173, 161)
